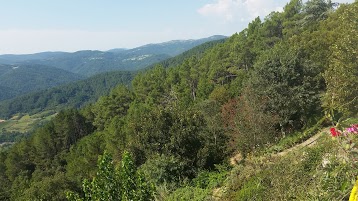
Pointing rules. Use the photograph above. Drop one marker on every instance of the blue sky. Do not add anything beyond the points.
(71, 25)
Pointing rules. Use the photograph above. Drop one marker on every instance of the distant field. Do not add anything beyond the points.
(25, 123)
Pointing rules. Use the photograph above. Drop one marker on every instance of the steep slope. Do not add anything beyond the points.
(21, 79)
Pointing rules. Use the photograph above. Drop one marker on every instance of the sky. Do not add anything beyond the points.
(72, 25)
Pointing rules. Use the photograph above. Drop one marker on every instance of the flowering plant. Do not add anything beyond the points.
(345, 139)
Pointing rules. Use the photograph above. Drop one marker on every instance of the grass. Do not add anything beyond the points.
(25, 123)
(350, 121)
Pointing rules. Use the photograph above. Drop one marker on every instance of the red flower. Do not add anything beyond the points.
(334, 132)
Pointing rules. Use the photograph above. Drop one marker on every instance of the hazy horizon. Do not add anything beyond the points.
(104, 50)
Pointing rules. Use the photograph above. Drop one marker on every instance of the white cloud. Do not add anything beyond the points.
(237, 10)
(222, 8)
(254, 7)
(279, 9)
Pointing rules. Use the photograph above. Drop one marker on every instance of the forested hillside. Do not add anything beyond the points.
(21, 79)
(6, 93)
(168, 137)
(78, 94)
(73, 95)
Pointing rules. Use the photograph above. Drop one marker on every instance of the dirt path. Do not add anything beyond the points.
(308, 143)
(218, 192)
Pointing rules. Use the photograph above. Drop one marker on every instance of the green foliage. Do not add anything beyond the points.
(189, 193)
(4, 181)
(290, 84)
(341, 74)
(316, 10)
(52, 187)
(114, 105)
(211, 179)
(11, 136)
(253, 189)
(162, 169)
(35, 167)
(82, 159)
(110, 184)
(292, 13)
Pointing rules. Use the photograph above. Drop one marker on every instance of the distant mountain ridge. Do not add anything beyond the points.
(91, 62)
(17, 58)
(174, 47)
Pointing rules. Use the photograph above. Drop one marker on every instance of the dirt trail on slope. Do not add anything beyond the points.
(218, 192)
(308, 143)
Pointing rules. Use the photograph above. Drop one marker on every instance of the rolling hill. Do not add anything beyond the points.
(88, 62)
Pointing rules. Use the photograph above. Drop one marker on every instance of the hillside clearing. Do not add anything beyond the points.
(25, 123)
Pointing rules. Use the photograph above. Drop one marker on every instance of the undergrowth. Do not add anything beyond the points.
(311, 173)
